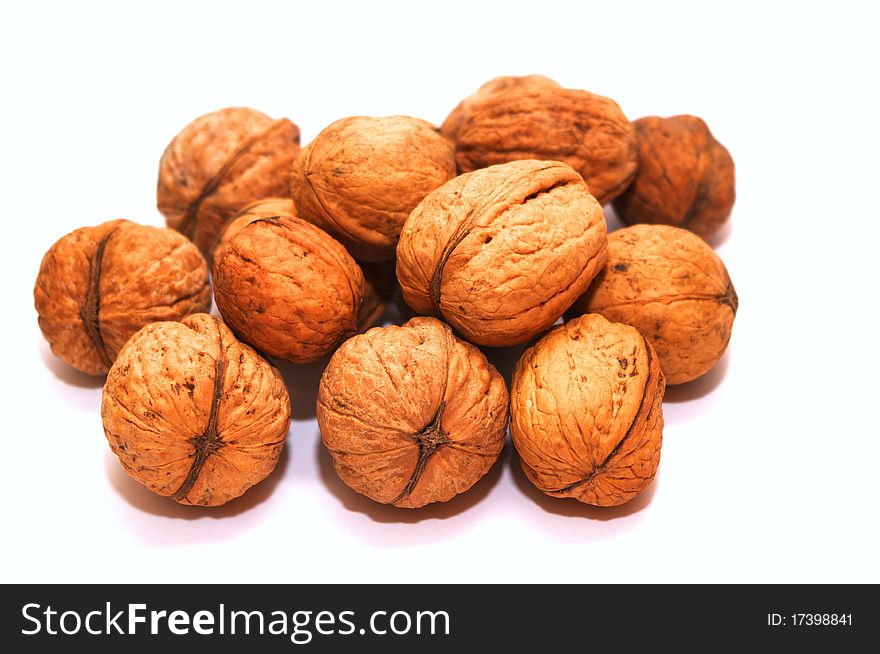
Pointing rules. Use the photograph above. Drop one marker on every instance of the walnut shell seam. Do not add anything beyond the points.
(91, 304)
(728, 297)
(653, 386)
(477, 212)
(209, 441)
(187, 224)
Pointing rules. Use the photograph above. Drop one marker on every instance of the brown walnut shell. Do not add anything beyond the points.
(541, 121)
(192, 413)
(411, 415)
(667, 283)
(456, 118)
(377, 278)
(288, 288)
(219, 164)
(586, 412)
(268, 208)
(360, 178)
(502, 252)
(98, 285)
(685, 177)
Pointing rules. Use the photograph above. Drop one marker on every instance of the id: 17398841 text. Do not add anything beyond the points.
(810, 620)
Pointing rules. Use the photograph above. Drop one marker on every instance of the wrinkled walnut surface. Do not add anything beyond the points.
(685, 177)
(667, 283)
(502, 252)
(362, 176)
(192, 413)
(540, 120)
(378, 277)
(268, 208)
(288, 288)
(411, 414)
(219, 164)
(586, 412)
(98, 285)
(456, 118)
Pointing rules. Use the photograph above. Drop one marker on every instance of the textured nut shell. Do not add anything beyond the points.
(411, 415)
(288, 288)
(584, 130)
(673, 288)
(685, 178)
(267, 208)
(377, 287)
(360, 178)
(220, 163)
(586, 412)
(192, 413)
(452, 125)
(502, 252)
(98, 285)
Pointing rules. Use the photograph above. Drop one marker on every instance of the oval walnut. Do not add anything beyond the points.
(538, 119)
(361, 176)
(586, 412)
(288, 288)
(502, 252)
(458, 116)
(685, 178)
(192, 413)
(379, 279)
(667, 283)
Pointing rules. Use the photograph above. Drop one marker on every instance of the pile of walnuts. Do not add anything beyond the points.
(490, 228)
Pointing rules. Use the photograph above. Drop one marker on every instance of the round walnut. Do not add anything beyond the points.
(685, 178)
(193, 414)
(501, 253)
(673, 288)
(288, 288)
(219, 164)
(268, 208)
(360, 178)
(411, 415)
(541, 120)
(99, 285)
(586, 412)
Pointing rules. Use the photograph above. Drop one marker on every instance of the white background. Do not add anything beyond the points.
(770, 464)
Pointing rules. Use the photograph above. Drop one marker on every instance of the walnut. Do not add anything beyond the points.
(673, 288)
(360, 178)
(452, 125)
(288, 288)
(586, 412)
(99, 285)
(219, 164)
(268, 208)
(379, 279)
(193, 414)
(411, 415)
(685, 177)
(540, 120)
(502, 252)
